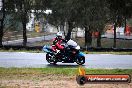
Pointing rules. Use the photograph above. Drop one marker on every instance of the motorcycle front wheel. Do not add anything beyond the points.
(50, 59)
(80, 60)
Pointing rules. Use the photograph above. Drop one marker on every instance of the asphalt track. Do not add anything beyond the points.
(37, 60)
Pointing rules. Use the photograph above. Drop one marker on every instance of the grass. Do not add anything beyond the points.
(58, 71)
(36, 77)
(16, 71)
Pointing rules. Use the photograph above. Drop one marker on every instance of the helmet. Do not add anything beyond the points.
(59, 34)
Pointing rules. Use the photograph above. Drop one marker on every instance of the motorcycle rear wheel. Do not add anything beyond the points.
(50, 59)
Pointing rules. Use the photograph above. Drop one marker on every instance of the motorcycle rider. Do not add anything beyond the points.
(56, 45)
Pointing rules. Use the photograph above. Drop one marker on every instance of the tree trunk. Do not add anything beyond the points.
(68, 36)
(88, 37)
(1, 32)
(24, 30)
(24, 35)
(99, 40)
(125, 25)
(62, 27)
(2, 22)
(114, 45)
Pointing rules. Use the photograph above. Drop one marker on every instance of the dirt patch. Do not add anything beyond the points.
(56, 84)
(53, 81)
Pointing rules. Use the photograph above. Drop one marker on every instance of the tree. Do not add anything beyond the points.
(2, 20)
(64, 11)
(79, 13)
(119, 9)
(127, 13)
(24, 7)
(102, 17)
(93, 15)
(57, 16)
(21, 9)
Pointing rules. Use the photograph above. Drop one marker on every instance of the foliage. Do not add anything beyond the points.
(91, 15)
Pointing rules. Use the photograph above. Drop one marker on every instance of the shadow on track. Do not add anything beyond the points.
(63, 66)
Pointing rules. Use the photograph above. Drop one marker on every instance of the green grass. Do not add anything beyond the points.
(59, 71)
(39, 74)
(62, 71)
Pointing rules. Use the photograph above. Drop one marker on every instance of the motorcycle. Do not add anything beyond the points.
(70, 54)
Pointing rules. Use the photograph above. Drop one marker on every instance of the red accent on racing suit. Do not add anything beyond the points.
(57, 44)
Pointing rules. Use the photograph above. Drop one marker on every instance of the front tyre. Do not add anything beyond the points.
(80, 60)
(50, 59)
